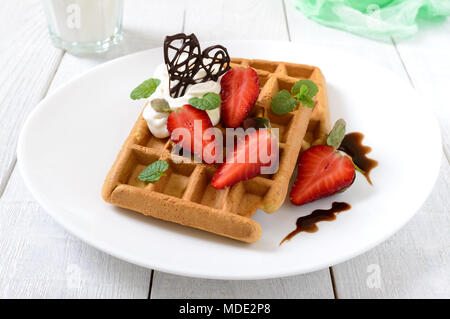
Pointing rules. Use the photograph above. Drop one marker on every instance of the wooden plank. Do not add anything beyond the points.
(313, 285)
(28, 62)
(414, 263)
(235, 19)
(39, 258)
(215, 20)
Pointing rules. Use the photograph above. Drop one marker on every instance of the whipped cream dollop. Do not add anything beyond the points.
(157, 121)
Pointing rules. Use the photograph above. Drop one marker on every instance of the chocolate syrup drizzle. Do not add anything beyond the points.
(184, 58)
(352, 145)
(308, 223)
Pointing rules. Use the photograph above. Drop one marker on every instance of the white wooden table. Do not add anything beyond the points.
(40, 259)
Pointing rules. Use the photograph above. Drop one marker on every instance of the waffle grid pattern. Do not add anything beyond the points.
(185, 195)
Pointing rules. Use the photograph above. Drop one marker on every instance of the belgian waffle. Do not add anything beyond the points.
(185, 196)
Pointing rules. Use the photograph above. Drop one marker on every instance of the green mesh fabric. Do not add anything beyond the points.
(376, 19)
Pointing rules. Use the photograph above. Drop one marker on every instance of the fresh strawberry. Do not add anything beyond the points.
(322, 171)
(240, 89)
(184, 118)
(246, 160)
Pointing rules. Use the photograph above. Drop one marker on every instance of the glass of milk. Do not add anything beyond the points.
(84, 26)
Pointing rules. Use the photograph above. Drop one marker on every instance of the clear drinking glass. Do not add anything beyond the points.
(84, 26)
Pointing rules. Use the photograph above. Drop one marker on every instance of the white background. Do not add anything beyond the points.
(40, 259)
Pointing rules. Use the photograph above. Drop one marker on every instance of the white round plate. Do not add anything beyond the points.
(72, 137)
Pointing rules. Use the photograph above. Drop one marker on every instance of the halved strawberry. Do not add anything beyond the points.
(246, 160)
(240, 89)
(322, 171)
(195, 142)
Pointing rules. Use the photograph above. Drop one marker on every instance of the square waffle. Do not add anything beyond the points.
(185, 195)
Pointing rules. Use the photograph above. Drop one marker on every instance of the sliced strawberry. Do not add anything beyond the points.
(322, 171)
(240, 89)
(246, 160)
(194, 142)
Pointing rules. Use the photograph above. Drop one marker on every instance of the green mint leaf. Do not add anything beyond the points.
(154, 171)
(283, 103)
(304, 88)
(307, 101)
(337, 134)
(209, 101)
(256, 122)
(160, 105)
(145, 89)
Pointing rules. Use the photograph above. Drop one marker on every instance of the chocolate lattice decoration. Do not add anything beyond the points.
(185, 60)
